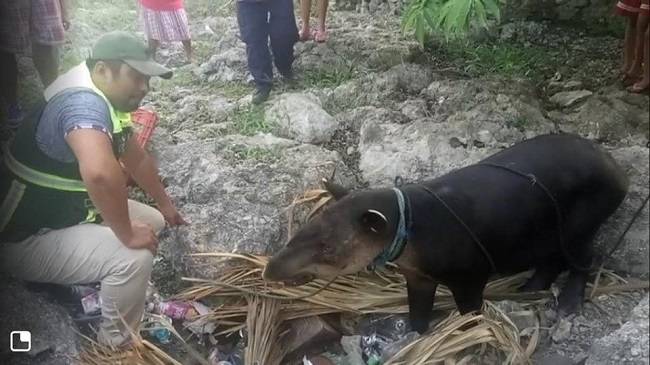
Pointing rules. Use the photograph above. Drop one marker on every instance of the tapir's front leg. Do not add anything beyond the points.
(421, 292)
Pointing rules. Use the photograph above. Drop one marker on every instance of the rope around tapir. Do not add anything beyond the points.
(534, 181)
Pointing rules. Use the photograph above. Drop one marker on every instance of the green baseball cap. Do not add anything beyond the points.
(126, 47)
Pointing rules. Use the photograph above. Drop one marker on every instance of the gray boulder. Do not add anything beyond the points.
(53, 337)
(627, 345)
(235, 190)
(467, 120)
(301, 117)
(359, 41)
(611, 115)
(569, 98)
(508, 102)
(632, 255)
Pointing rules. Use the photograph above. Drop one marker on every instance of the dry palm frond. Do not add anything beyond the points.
(319, 196)
(458, 333)
(263, 324)
(383, 291)
(142, 352)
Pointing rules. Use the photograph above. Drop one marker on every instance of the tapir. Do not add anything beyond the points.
(535, 205)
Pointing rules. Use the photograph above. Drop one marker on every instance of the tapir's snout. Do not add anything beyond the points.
(272, 271)
(287, 267)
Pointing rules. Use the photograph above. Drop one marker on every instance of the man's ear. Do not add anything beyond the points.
(374, 221)
(337, 191)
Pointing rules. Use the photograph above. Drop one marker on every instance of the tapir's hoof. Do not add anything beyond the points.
(419, 325)
(568, 305)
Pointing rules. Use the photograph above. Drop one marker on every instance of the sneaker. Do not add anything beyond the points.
(261, 95)
(15, 116)
(287, 75)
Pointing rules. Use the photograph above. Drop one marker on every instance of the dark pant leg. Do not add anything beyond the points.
(252, 17)
(283, 32)
(8, 77)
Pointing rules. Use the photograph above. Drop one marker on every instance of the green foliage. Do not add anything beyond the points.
(500, 58)
(451, 18)
(250, 120)
(327, 77)
(259, 154)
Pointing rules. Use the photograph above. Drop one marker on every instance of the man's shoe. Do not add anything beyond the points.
(260, 95)
(287, 75)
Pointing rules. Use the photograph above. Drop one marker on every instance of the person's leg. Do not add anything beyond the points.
(252, 17)
(639, 42)
(187, 47)
(305, 10)
(284, 35)
(8, 77)
(146, 214)
(322, 18)
(153, 46)
(83, 254)
(9, 87)
(47, 34)
(644, 83)
(628, 43)
(46, 61)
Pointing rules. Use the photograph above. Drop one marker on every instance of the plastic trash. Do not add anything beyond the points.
(352, 347)
(176, 309)
(162, 334)
(393, 348)
(200, 325)
(92, 303)
(81, 291)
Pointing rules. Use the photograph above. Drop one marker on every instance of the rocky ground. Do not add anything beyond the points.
(373, 105)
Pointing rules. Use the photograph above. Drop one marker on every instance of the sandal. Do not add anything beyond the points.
(305, 36)
(628, 80)
(638, 89)
(320, 36)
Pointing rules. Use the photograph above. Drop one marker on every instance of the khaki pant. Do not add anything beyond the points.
(88, 253)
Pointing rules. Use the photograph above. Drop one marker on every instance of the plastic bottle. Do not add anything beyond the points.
(162, 334)
(393, 348)
(175, 309)
(91, 303)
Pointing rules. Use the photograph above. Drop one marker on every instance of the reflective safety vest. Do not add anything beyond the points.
(38, 192)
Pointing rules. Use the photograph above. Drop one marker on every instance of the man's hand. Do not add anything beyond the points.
(142, 236)
(172, 216)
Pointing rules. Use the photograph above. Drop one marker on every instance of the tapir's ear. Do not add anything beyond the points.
(374, 221)
(335, 189)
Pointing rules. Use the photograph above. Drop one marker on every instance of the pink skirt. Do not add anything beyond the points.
(165, 26)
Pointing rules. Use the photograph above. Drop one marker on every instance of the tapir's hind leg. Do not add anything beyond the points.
(468, 295)
(573, 293)
(545, 274)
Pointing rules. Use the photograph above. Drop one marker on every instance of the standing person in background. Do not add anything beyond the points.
(13, 40)
(641, 57)
(320, 35)
(630, 10)
(41, 23)
(258, 21)
(48, 23)
(165, 21)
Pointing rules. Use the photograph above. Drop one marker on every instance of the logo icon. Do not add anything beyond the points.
(21, 341)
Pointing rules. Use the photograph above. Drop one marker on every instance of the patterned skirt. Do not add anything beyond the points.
(165, 26)
(629, 8)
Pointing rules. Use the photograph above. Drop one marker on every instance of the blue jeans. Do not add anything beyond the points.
(259, 21)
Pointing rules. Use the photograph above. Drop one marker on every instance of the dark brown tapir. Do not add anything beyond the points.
(537, 204)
